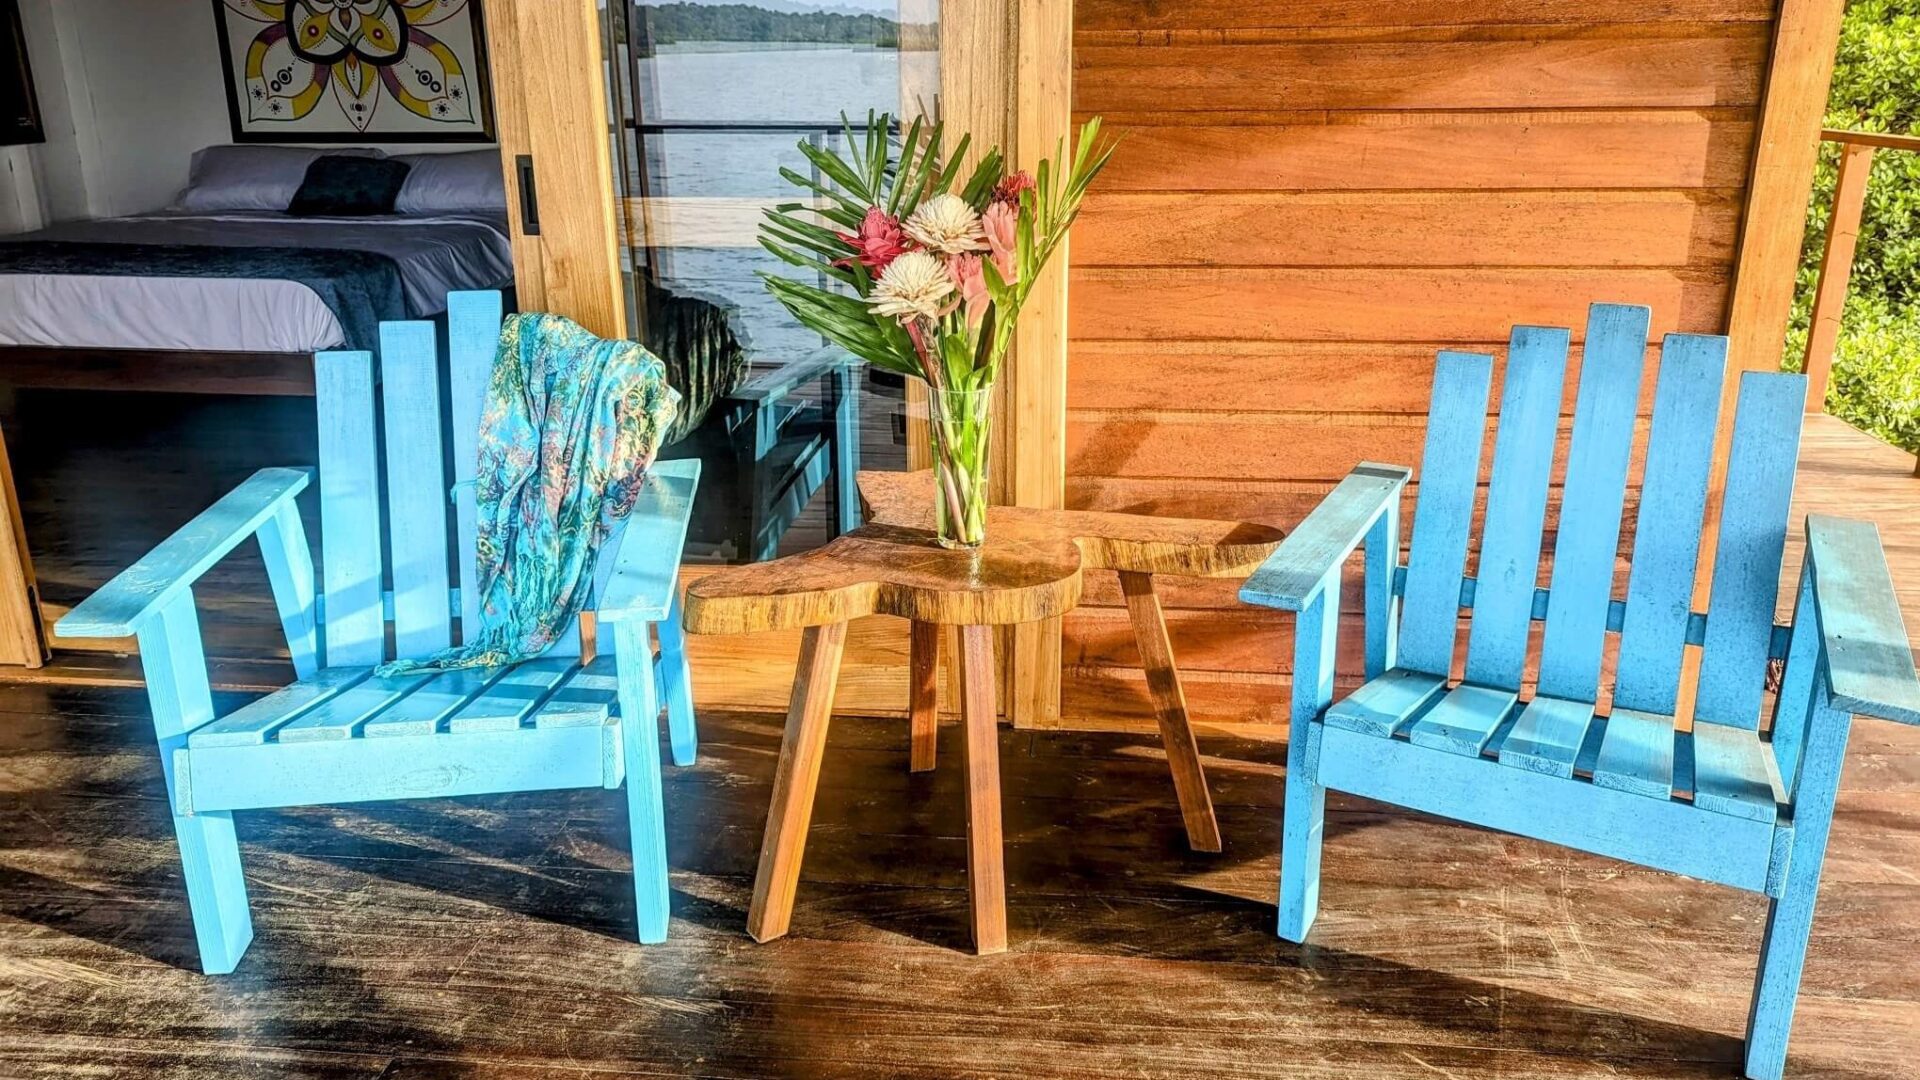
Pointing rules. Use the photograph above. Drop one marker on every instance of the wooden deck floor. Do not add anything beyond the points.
(489, 937)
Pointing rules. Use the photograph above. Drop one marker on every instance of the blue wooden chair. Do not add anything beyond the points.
(1721, 802)
(340, 734)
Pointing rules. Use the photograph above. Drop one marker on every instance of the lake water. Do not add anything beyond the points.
(718, 82)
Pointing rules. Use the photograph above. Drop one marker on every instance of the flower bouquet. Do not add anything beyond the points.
(936, 269)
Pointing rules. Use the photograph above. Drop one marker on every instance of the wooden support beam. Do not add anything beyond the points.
(1836, 269)
(1779, 187)
(23, 639)
(550, 92)
(1036, 379)
(1786, 150)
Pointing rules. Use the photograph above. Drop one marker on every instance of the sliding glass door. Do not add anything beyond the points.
(708, 104)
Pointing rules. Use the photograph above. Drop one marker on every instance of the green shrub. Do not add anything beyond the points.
(1875, 384)
(1876, 87)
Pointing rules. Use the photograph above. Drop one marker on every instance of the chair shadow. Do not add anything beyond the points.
(156, 932)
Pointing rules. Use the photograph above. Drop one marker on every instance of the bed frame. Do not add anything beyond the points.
(179, 371)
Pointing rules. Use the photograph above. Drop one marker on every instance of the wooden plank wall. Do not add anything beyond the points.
(1311, 198)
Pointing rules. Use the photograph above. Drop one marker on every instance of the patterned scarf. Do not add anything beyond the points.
(570, 425)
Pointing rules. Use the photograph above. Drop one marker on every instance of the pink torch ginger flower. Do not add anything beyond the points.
(1009, 188)
(879, 241)
(1001, 223)
(970, 281)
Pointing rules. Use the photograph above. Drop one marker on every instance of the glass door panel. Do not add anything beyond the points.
(708, 103)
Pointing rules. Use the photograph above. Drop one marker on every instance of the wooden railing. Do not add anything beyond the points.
(1857, 150)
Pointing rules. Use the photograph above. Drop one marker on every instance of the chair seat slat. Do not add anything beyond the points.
(1636, 754)
(339, 717)
(1733, 773)
(512, 697)
(1381, 706)
(1548, 736)
(1464, 721)
(250, 724)
(589, 696)
(426, 709)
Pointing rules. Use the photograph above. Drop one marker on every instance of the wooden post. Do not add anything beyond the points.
(1036, 379)
(1799, 72)
(23, 640)
(1836, 268)
(550, 95)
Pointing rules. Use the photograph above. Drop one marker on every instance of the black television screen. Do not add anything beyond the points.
(19, 112)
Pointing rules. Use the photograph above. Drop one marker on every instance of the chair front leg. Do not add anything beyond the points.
(1783, 952)
(175, 666)
(676, 686)
(1315, 633)
(640, 745)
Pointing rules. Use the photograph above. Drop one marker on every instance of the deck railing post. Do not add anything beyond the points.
(1836, 268)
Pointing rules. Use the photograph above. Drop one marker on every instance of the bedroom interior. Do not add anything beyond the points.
(1315, 209)
(157, 247)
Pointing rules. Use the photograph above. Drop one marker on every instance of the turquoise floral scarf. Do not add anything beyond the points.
(570, 424)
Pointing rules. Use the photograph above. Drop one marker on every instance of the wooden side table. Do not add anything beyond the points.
(1029, 569)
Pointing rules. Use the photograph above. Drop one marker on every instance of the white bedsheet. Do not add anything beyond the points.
(435, 255)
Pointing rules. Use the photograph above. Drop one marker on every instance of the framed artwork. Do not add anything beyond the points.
(19, 109)
(319, 71)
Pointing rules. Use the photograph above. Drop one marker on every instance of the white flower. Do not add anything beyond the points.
(913, 284)
(947, 224)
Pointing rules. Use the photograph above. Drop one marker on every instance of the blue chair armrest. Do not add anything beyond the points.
(118, 608)
(1868, 655)
(1312, 553)
(644, 573)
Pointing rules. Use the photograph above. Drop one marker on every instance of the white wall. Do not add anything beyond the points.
(129, 90)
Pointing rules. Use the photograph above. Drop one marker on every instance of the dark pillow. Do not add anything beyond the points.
(340, 186)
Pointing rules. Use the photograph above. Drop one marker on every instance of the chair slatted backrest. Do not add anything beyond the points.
(1443, 517)
(404, 443)
(1516, 506)
(1753, 539)
(1580, 591)
(1653, 632)
(1655, 620)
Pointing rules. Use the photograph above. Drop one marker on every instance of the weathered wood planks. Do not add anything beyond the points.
(1315, 198)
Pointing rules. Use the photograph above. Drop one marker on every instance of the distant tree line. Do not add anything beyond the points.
(667, 24)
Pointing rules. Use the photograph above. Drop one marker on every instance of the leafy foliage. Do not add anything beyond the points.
(1876, 366)
(896, 176)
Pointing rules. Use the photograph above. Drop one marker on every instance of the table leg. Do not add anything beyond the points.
(795, 780)
(1170, 709)
(986, 869)
(923, 675)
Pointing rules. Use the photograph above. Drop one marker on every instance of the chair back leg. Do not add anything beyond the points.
(640, 743)
(175, 666)
(676, 686)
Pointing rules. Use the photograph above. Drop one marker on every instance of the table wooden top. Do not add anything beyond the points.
(1028, 569)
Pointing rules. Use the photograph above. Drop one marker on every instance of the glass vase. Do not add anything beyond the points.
(960, 425)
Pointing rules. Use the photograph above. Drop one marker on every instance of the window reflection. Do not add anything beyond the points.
(711, 99)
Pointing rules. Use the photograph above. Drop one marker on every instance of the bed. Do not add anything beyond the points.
(234, 288)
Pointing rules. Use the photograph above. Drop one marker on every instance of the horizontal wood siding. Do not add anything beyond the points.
(1312, 197)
